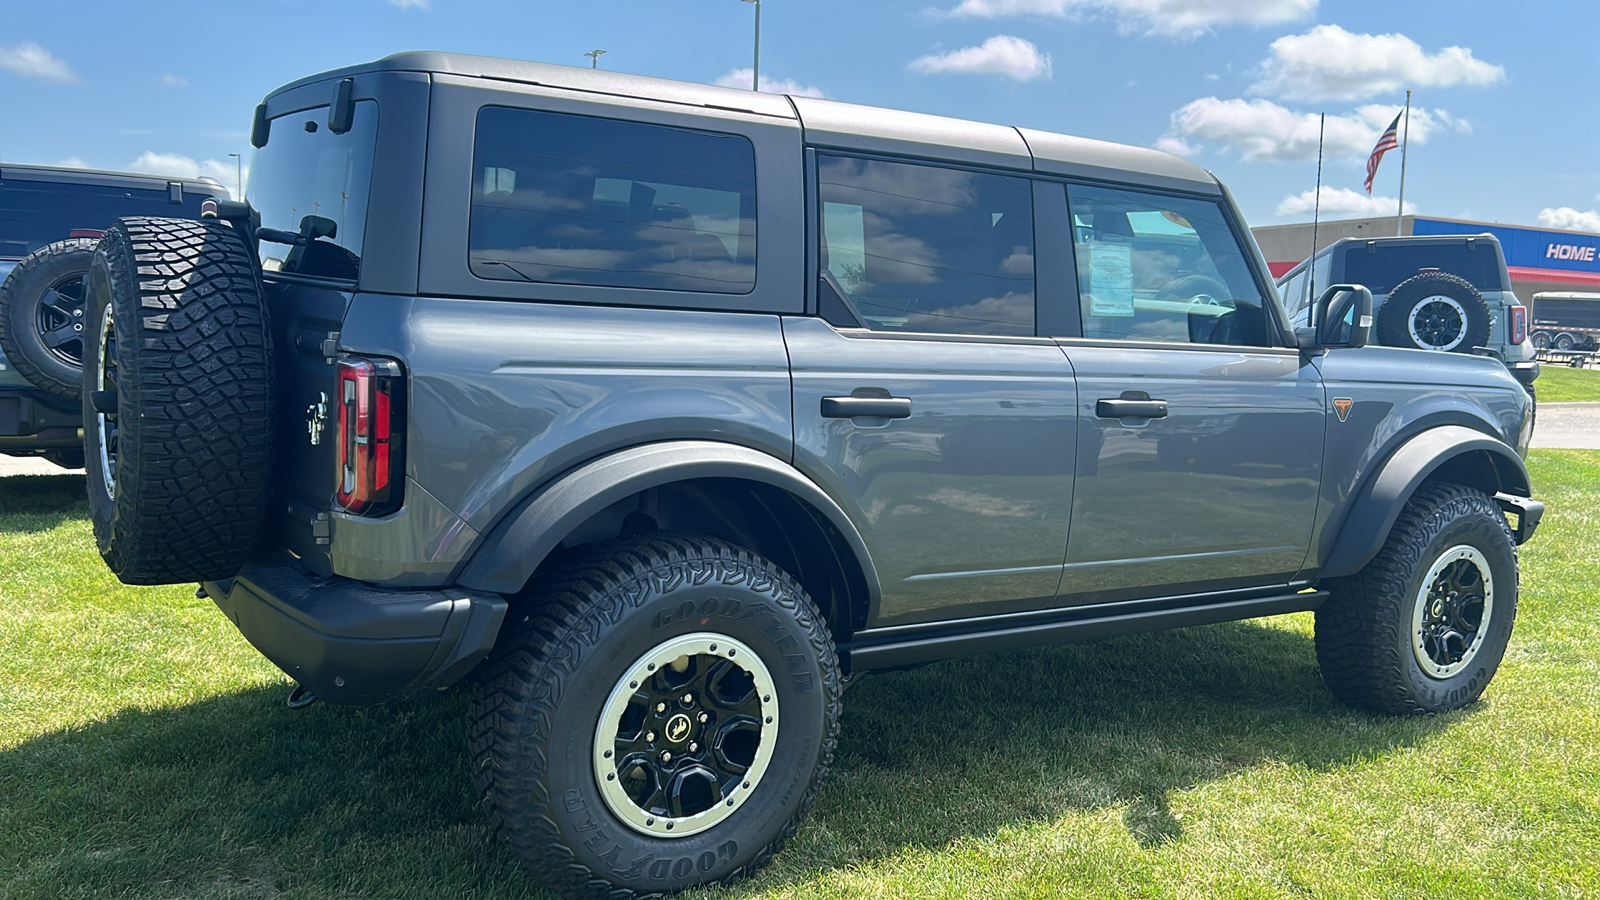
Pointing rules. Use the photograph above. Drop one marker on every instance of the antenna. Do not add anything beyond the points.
(1316, 216)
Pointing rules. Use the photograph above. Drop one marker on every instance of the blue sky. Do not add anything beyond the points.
(1503, 125)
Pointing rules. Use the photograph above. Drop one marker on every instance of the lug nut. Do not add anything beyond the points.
(650, 737)
(688, 699)
(666, 756)
(693, 746)
(704, 718)
(661, 707)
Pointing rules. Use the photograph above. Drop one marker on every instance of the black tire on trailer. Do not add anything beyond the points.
(42, 315)
(1423, 627)
(658, 714)
(1564, 342)
(177, 400)
(1434, 311)
(1541, 340)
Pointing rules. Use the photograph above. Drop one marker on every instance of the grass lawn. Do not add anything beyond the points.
(1558, 384)
(145, 750)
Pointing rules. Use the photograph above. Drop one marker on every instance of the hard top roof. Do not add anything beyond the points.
(61, 175)
(828, 123)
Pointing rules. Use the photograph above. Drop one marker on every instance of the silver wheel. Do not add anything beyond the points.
(1438, 323)
(106, 430)
(1452, 609)
(686, 735)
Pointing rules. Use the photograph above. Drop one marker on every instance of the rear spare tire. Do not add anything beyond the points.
(177, 400)
(1434, 311)
(42, 316)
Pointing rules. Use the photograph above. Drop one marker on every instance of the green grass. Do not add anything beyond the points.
(145, 751)
(1559, 384)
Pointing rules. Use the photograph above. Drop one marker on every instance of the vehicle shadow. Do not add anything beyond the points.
(41, 502)
(238, 796)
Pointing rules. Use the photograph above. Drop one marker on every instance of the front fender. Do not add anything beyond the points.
(516, 546)
(1468, 455)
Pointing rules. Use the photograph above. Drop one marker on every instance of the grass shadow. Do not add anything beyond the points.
(41, 502)
(238, 796)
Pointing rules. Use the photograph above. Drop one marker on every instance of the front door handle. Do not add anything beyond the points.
(1131, 409)
(866, 407)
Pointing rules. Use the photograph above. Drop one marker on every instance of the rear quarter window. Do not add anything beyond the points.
(573, 199)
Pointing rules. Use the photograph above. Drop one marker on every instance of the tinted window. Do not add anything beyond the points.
(1292, 291)
(926, 248)
(1159, 268)
(581, 200)
(1386, 265)
(35, 213)
(308, 180)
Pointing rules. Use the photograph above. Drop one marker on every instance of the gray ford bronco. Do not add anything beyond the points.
(658, 410)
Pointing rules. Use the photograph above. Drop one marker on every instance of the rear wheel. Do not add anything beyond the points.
(176, 400)
(659, 716)
(1423, 626)
(1564, 342)
(42, 322)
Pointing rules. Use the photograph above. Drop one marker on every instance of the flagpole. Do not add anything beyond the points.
(1405, 144)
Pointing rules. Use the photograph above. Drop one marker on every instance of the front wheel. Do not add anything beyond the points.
(1423, 626)
(659, 716)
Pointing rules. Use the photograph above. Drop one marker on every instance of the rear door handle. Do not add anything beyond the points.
(866, 407)
(1131, 409)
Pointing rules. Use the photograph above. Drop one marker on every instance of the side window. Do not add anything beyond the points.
(1292, 291)
(1158, 268)
(926, 248)
(583, 200)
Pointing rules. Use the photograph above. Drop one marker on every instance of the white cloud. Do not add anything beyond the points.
(740, 78)
(73, 162)
(1340, 202)
(1002, 54)
(411, 4)
(174, 81)
(33, 61)
(1570, 219)
(176, 165)
(1169, 18)
(1329, 63)
(1261, 129)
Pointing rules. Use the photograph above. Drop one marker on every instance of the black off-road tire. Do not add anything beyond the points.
(184, 409)
(1364, 629)
(1465, 316)
(42, 316)
(535, 725)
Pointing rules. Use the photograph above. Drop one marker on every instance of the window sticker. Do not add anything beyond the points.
(1110, 278)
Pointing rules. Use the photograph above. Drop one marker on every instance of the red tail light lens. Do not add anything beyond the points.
(1519, 324)
(371, 432)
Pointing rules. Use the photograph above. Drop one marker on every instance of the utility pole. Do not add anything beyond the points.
(594, 57)
(755, 71)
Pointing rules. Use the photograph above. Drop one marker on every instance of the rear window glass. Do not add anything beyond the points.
(309, 181)
(1391, 264)
(35, 213)
(583, 200)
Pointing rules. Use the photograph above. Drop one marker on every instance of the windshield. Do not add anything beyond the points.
(310, 181)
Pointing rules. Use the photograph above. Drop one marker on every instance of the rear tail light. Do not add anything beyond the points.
(1519, 324)
(371, 436)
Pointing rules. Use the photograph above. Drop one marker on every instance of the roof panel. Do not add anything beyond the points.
(1060, 154)
(848, 126)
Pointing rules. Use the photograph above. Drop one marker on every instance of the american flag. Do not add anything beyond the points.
(1385, 143)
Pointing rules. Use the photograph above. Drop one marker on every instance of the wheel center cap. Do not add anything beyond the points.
(677, 728)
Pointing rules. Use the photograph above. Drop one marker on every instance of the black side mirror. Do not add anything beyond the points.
(1343, 319)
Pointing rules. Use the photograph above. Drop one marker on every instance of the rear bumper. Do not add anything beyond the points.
(350, 642)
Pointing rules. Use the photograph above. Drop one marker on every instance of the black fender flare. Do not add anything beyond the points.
(1376, 505)
(515, 547)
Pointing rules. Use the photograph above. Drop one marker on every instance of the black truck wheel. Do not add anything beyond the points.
(659, 714)
(42, 316)
(1423, 626)
(176, 400)
(1434, 311)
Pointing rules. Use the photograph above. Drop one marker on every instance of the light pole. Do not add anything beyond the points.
(594, 57)
(755, 73)
(238, 174)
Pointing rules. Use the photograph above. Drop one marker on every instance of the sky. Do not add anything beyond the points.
(1502, 128)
